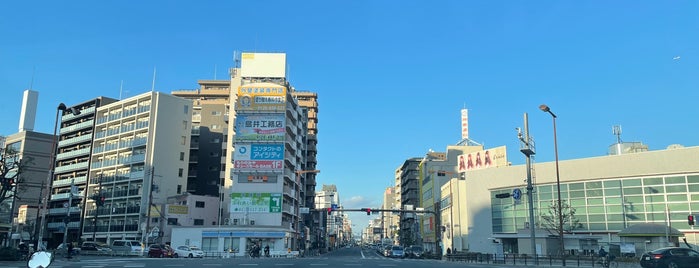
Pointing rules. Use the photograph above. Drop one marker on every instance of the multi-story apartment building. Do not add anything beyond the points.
(207, 155)
(139, 158)
(72, 163)
(326, 198)
(389, 221)
(266, 156)
(407, 175)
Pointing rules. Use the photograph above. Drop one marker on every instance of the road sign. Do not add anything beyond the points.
(333, 206)
(517, 194)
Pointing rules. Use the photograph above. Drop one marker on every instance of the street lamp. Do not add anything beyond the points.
(52, 162)
(546, 109)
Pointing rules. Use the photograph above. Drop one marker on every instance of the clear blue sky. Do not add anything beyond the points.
(391, 76)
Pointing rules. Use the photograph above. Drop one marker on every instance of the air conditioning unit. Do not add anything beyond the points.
(252, 222)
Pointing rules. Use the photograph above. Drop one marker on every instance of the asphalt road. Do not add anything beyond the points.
(346, 257)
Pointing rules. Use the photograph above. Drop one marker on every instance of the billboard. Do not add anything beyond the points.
(261, 97)
(495, 157)
(259, 151)
(256, 202)
(260, 127)
(271, 65)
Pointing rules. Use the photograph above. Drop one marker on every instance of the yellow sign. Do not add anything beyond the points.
(177, 209)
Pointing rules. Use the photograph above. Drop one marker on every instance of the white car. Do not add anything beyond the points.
(189, 252)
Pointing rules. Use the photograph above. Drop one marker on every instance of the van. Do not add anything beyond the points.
(127, 247)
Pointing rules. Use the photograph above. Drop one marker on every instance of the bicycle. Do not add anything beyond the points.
(609, 261)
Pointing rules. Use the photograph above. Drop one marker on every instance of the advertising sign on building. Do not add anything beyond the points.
(259, 151)
(256, 202)
(261, 97)
(494, 157)
(260, 127)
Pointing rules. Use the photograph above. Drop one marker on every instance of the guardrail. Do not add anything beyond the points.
(516, 259)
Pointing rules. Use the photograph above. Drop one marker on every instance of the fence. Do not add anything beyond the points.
(515, 259)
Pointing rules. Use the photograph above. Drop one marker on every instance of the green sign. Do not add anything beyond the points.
(256, 202)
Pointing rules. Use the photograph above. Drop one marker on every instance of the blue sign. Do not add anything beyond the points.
(517, 194)
(333, 206)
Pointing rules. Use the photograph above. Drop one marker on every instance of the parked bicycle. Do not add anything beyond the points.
(608, 261)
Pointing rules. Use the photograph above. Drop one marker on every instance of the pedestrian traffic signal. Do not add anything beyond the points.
(690, 219)
(330, 211)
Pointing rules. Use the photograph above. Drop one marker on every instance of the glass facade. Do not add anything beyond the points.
(606, 205)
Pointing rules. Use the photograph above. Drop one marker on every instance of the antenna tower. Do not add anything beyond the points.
(616, 130)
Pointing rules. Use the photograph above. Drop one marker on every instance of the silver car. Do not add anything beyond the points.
(397, 252)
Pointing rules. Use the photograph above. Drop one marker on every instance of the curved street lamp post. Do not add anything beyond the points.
(547, 109)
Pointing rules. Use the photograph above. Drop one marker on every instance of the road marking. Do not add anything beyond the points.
(94, 266)
(135, 265)
(362, 251)
(319, 264)
(387, 265)
(248, 264)
(211, 264)
(284, 264)
(352, 264)
(174, 265)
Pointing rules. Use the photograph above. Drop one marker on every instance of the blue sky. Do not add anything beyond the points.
(391, 76)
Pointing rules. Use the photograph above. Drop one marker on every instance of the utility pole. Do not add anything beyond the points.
(150, 203)
(526, 146)
(98, 194)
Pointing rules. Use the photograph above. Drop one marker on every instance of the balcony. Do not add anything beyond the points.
(60, 225)
(75, 153)
(55, 197)
(86, 124)
(74, 140)
(66, 182)
(83, 112)
(144, 108)
(63, 211)
(72, 167)
(143, 124)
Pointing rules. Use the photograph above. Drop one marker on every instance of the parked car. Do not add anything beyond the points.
(98, 248)
(129, 247)
(670, 257)
(189, 252)
(160, 251)
(397, 252)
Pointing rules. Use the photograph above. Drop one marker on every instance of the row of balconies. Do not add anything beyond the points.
(120, 145)
(71, 167)
(63, 211)
(74, 140)
(58, 225)
(88, 228)
(120, 177)
(61, 196)
(119, 161)
(125, 113)
(74, 153)
(114, 131)
(83, 113)
(113, 210)
(66, 182)
(78, 126)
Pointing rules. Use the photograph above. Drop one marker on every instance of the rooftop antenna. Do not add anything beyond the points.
(215, 69)
(31, 83)
(121, 89)
(152, 88)
(236, 58)
(616, 130)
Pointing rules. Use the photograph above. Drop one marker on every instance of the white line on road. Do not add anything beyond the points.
(135, 265)
(352, 264)
(248, 264)
(319, 264)
(284, 264)
(362, 251)
(94, 266)
(387, 265)
(174, 265)
(211, 264)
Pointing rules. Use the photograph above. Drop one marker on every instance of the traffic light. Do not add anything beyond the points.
(368, 211)
(690, 219)
(330, 211)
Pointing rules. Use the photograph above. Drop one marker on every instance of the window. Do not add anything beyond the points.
(216, 113)
(215, 126)
(181, 157)
(198, 222)
(171, 221)
(186, 109)
(184, 125)
(184, 140)
(199, 204)
(179, 189)
(215, 140)
(180, 172)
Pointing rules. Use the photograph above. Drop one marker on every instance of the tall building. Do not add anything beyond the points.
(72, 163)
(210, 118)
(268, 152)
(407, 175)
(389, 222)
(140, 157)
